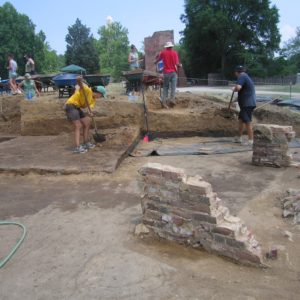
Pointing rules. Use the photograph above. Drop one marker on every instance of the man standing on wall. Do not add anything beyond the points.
(30, 65)
(171, 63)
(12, 74)
(247, 103)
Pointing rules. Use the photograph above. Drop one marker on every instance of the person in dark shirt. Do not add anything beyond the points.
(247, 103)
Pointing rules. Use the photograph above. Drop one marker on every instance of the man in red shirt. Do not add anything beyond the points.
(171, 63)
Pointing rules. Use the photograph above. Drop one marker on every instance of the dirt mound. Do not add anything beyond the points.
(10, 118)
(153, 100)
(183, 101)
(278, 115)
(120, 136)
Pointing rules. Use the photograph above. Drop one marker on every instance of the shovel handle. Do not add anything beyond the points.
(229, 105)
(80, 83)
(269, 102)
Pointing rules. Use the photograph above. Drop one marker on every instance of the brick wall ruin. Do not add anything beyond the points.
(270, 146)
(185, 209)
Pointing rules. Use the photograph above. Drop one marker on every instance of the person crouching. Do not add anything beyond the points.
(84, 97)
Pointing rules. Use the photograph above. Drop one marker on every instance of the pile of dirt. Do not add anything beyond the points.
(279, 115)
(184, 101)
(203, 115)
(10, 119)
(116, 137)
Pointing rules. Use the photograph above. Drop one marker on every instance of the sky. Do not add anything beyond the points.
(142, 18)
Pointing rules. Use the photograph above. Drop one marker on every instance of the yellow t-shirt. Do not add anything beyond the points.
(78, 98)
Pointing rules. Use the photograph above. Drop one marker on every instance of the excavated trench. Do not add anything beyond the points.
(197, 125)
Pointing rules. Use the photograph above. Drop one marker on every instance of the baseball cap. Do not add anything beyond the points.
(239, 69)
(101, 89)
(27, 76)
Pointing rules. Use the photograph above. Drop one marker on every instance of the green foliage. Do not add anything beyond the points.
(53, 62)
(220, 34)
(17, 36)
(291, 52)
(81, 48)
(113, 47)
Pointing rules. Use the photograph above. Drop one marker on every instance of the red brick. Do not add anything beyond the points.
(223, 231)
(199, 217)
(178, 221)
(246, 256)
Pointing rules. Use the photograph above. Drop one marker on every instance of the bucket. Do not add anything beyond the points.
(29, 96)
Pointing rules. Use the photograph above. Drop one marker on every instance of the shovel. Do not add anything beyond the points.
(147, 136)
(230, 102)
(98, 138)
(227, 112)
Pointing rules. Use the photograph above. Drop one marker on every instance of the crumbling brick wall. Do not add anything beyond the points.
(270, 146)
(186, 210)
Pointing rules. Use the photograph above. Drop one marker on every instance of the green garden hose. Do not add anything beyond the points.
(20, 241)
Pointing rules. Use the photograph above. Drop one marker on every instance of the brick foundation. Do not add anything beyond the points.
(186, 210)
(270, 146)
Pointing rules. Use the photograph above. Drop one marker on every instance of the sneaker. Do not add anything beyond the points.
(165, 106)
(80, 149)
(248, 143)
(238, 139)
(89, 145)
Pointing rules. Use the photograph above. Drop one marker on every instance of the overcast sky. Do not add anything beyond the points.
(141, 18)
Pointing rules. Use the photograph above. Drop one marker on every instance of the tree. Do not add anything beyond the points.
(222, 33)
(17, 36)
(81, 48)
(53, 62)
(291, 52)
(113, 47)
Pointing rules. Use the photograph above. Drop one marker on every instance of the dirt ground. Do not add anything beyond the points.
(80, 241)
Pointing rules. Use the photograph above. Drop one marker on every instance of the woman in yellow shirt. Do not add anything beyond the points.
(77, 116)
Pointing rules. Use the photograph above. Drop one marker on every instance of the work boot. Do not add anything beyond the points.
(80, 149)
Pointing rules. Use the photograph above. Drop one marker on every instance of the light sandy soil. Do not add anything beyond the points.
(80, 242)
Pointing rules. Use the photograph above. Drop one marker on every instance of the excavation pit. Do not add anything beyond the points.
(94, 210)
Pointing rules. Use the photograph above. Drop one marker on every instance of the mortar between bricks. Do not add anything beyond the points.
(184, 209)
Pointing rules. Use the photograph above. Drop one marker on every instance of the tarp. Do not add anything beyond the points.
(73, 69)
(165, 147)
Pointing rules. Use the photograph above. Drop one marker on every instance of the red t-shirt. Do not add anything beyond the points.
(170, 60)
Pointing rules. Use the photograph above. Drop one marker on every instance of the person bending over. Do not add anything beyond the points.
(29, 87)
(77, 116)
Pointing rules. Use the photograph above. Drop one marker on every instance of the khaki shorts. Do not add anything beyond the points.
(74, 113)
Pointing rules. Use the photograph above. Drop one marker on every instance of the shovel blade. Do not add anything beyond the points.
(99, 138)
